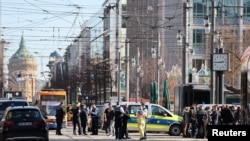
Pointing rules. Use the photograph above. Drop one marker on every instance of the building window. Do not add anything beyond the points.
(197, 64)
(198, 36)
(199, 41)
(199, 9)
(246, 8)
(231, 8)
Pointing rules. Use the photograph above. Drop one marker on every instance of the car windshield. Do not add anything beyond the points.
(23, 114)
(5, 104)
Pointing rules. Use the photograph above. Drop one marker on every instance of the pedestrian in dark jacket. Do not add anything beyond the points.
(202, 119)
(126, 117)
(60, 113)
(76, 118)
(84, 118)
(94, 112)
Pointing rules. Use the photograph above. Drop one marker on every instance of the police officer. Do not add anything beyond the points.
(119, 111)
(94, 111)
(60, 113)
(126, 117)
(76, 118)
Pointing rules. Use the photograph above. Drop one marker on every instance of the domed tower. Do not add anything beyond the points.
(23, 72)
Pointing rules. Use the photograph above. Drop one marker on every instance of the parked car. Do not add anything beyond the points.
(23, 123)
(6, 102)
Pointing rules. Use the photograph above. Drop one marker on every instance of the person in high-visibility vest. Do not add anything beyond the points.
(141, 120)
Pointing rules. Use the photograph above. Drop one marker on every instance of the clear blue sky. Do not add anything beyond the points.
(47, 25)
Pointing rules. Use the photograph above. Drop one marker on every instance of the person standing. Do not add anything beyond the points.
(109, 116)
(94, 111)
(141, 120)
(60, 113)
(186, 121)
(76, 118)
(84, 118)
(202, 119)
(119, 111)
(126, 117)
(192, 114)
(144, 108)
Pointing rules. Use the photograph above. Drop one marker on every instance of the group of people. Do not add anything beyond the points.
(196, 118)
(116, 120)
(80, 114)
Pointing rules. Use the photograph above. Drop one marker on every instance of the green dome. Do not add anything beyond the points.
(22, 52)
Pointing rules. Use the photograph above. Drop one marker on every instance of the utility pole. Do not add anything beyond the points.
(212, 94)
(117, 51)
(127, 70)
(158, 67)
(137, 75)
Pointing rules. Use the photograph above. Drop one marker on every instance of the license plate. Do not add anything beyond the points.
(24, 123)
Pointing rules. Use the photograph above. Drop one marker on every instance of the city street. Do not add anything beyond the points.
(68, 136)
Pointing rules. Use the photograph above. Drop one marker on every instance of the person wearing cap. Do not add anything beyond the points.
(141, 120)
(146, 113)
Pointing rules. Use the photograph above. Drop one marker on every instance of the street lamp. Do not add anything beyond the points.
(211, 30)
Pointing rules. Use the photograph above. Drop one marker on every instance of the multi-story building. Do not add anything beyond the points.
(149, 24)
(1, 66)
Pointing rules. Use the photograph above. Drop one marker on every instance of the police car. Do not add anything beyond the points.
(159, 119)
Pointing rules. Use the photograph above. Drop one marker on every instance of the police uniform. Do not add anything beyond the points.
(76, 119)
(94, 118)
(119, 111)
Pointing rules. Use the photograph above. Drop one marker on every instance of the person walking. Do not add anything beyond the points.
(119, 111)
(141, 120)
(94, 111)
(126, 117)
(76, 118)
(84, 118)
(60, 113)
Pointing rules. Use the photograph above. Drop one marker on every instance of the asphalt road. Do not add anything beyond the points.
(68, 136)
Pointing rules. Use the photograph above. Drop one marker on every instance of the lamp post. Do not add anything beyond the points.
(211, 31)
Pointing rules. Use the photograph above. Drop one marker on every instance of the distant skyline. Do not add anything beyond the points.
(47, 26)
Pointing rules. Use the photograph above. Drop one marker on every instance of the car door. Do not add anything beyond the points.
(158, 119)
(132, 122)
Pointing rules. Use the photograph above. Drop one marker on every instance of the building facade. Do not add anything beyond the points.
(22, 69)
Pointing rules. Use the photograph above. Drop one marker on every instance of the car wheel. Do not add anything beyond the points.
(175, 130)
